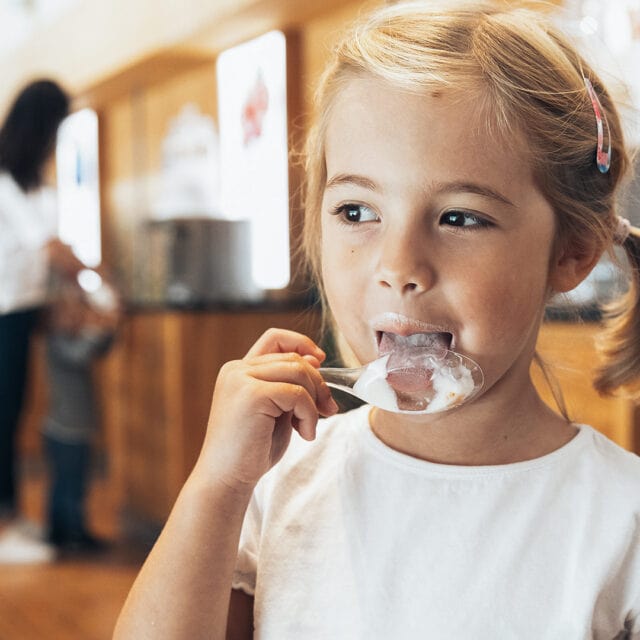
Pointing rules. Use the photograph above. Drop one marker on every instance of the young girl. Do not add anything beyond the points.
(463, 169)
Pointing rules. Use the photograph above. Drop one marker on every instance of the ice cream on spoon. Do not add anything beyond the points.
(417, 374)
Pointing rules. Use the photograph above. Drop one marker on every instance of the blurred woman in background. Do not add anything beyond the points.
(29, 249)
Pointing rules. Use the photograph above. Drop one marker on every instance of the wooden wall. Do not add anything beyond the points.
(161, 382)
(568, 349)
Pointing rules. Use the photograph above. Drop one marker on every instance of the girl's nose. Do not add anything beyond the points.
(404, 265)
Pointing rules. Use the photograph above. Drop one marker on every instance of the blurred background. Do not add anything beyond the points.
(177, 171)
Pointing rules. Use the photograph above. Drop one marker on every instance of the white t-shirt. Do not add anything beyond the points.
(27, 222)
(349, 539)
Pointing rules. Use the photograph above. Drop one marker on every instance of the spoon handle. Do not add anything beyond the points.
(345, 389)
(340, 376)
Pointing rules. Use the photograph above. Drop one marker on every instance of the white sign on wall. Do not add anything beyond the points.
(252, 112)
(79, 185)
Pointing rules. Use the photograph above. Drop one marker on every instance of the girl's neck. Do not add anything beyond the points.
(491, 431)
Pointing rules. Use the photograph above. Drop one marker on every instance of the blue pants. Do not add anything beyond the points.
(15, 333)
(69, 465)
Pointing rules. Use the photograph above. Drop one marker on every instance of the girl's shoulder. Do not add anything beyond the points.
(609, 460)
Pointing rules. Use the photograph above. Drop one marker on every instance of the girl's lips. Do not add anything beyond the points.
(438, 342)
(394, 330)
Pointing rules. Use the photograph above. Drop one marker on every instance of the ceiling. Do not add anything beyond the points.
(19, 19)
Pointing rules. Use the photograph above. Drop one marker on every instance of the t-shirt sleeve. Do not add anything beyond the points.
(263, 511)
(244, 575)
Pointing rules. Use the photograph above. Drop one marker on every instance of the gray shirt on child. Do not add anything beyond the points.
(72, 415)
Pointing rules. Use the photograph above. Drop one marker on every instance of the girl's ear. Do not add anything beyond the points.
(573, 264)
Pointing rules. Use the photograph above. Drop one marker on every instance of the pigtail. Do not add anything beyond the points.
(620, 341)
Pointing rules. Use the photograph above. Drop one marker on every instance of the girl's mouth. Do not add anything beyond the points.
(439, 341)
(406, 375)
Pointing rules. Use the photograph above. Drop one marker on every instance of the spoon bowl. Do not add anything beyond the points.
(415, 380)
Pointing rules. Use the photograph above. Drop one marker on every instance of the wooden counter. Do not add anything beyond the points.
(156, 388)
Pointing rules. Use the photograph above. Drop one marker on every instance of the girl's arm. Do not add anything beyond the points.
(183, 590)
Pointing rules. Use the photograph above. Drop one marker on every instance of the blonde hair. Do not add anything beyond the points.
(531, 82)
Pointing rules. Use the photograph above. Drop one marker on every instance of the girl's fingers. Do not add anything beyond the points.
(284, 341)
(294, 370)
(293, 399)
(279, 357)
(258, 400)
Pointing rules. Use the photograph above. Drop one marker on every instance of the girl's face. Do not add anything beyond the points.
(430, 225)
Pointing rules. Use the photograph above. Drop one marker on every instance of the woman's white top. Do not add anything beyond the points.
(349, 539)
(27, 223)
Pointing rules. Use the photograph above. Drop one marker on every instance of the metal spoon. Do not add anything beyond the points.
(414, 380)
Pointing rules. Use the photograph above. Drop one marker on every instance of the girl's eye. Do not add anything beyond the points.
(353, 213)
(462, 219)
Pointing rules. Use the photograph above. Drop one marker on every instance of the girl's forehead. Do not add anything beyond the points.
(363, 99)
(377, 128)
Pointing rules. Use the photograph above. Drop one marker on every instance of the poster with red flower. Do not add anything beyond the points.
(252, 116)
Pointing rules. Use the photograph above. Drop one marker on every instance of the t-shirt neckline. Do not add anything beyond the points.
(390, 455)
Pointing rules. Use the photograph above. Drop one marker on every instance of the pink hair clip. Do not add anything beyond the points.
(603, 159)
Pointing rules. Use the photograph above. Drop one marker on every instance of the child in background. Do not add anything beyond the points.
(82, 328)
(463, 169)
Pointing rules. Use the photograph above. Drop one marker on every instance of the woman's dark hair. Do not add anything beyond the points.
(28, 134)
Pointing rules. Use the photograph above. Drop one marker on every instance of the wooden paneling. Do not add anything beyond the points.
(156, 386)
(166, 373)
(569, 351)
(173, 359)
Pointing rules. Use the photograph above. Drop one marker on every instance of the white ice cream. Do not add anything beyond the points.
(373, 388)
(451, 385)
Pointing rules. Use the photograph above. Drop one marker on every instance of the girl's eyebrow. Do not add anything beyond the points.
(353, 179)
(448, 187)
(472, 187)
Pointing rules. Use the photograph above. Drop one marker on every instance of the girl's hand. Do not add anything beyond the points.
(257, 402)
